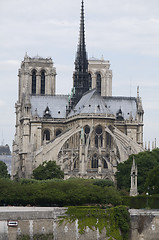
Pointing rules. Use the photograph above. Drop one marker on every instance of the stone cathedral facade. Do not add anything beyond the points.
(88, 132)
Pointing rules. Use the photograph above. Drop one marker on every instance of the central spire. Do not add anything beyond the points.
(81, 58)
(81, 76)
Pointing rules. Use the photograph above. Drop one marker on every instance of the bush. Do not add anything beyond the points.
(103, 183)
(56, 192)
(139, 202)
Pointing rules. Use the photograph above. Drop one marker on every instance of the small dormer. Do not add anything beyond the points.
(47, 113)
(119, 115)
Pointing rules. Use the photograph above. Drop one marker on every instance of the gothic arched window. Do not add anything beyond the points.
(90, 81)
(105, 164)
(42, 82)
(98, 137)
(86, 133)
(98, 82)
(58, 132)
(33, 82)
(94, 162)
(108, 140)
(46, 135)
(75, 164)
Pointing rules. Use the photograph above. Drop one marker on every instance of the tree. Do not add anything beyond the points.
(145, 161)
(152, 181)
(3, 170)
(48, 170)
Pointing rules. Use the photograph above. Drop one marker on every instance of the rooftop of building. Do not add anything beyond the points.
(5, 150)
(91, 102)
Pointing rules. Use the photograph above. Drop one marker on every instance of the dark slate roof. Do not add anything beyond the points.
(56, 104)
(128, 106)
(92, 102)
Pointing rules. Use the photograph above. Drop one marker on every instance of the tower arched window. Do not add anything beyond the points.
(94, 162)
(98, 82)
(42, 82)
(90, 81)
(33, 82)
(46, 135)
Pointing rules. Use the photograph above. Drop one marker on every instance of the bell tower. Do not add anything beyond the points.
(37, 76)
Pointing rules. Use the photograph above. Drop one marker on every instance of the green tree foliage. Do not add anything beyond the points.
(152, 181)
(104, 183)
(3, 170)
(48, 170)
(145, 161)
(56, 192)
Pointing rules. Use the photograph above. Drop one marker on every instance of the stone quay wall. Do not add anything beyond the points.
(43, 223)
(144, 224)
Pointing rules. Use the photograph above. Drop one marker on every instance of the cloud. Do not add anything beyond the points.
(126, 34)
(2, 103)
(117, 25)
(9, 63)
(151, 105)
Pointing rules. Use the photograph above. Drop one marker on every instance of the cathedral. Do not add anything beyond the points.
(87, 132)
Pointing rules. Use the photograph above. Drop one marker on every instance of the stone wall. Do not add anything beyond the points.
(144, 224)
(36, 223)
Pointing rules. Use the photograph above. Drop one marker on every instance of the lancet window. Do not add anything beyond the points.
(43, 82)
(98, 82)
(86, 133)
(34, 82)
(58, 132)
(105, 164)
(90, 81)
(94, 162)
(46, 135)
(98, 137)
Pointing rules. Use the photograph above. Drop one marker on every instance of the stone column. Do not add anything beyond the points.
(38, 84)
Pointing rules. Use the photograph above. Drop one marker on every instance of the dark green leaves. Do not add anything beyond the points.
(48, 170)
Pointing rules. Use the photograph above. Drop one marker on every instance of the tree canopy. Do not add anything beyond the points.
(56, 192)
(152, 181)
(48, 170)
(145, 161)
(3, 170)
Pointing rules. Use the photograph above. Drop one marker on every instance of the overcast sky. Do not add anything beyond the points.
(125, 32)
